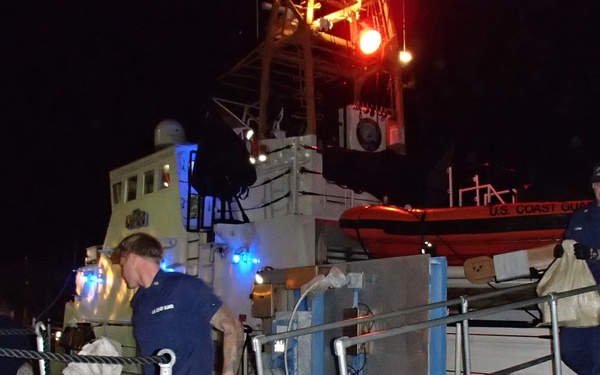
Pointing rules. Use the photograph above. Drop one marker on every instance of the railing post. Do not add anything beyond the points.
(458, 353)
(245, 355)
(555, 340)
(464, 308)
(477, 194)
(167, 368)
(340, 351)
(450, 187)
(39, 340)
(257, 347)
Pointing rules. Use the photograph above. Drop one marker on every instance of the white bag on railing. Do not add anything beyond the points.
(568, 273)
(104, 347)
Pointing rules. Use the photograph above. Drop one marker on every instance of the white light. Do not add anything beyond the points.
(249, 134)
(369, 41)
(279, 346)
(252, 160)
(258, 278)
(262, 157)
(405, 57)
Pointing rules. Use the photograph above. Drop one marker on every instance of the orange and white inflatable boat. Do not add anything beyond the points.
(458, 233)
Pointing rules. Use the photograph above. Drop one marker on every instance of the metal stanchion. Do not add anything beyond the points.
(340, 351)
(39, 340)
(555, 341)
(167, 368)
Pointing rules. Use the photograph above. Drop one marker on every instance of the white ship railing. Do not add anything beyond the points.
(487, 190)
(461, 320)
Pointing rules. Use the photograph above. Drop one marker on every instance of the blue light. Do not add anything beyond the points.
(255, 261)
(164, 267)
(236, 258)
(91, 278)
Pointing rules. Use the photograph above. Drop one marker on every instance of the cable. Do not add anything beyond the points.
(369, 312)
(288, 194)
(288, 171)
(55, 299)
(313, 148)
(247, 330)
(356, 372)
(305, 170)
(289, 327)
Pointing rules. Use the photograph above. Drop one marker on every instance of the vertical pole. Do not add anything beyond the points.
(555, 340)
(39, 340)
(398, 94)
(294, 178)
(309, 84)
(450, 186)
(464, 307)
(245, 355)
(266, 55)
(477, 194)
(318, 338)
(340, 351)
(458, 354)
(257, 347)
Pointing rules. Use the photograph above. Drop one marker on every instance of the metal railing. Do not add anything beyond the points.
(342, 343)
(165, 358)
(489, 193)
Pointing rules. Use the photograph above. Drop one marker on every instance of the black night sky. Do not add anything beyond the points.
(83, 84)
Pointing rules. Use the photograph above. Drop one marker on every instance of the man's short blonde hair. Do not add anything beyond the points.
(141, 244)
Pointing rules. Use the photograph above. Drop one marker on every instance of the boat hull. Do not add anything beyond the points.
(458, 233)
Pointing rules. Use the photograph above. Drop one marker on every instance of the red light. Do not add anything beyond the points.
(369, 41)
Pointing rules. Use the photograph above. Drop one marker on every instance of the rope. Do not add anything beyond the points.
(31, 354)
(16, 331)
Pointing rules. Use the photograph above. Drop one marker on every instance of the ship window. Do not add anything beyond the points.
(131, 188)
(165, 177)
(148, 182)
(117, 192)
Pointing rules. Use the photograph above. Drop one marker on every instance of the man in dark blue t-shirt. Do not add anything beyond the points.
(580, 347)
(176, 311)
(10, 366)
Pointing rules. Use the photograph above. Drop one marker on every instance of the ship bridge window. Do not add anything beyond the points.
(148, 182)
(117, 192)
(165, 177)
(131, 188)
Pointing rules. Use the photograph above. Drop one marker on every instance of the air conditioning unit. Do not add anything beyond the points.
(362, 128)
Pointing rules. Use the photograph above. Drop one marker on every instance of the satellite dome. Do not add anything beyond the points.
(168, 132)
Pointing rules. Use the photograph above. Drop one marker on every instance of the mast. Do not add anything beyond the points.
(312, 44)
